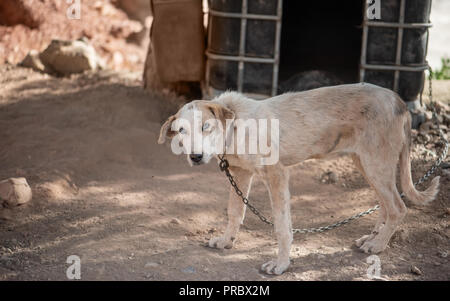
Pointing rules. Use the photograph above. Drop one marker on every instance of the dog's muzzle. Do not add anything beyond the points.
(196, 158)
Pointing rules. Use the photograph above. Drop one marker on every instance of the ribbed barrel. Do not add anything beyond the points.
(394, 47)
(243, 45)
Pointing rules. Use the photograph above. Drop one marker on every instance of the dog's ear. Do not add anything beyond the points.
(220, 111)
(166, 130)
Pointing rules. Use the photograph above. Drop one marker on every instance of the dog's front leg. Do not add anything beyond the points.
(277, 182)
(236, 209)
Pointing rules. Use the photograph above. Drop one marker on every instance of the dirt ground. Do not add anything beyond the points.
(104, 190)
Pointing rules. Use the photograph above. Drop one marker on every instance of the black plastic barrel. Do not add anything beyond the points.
(224, 39)
(382, 47)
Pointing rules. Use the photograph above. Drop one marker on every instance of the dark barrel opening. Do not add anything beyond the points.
(322, 36)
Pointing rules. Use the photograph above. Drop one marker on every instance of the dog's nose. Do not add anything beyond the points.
(196, 157)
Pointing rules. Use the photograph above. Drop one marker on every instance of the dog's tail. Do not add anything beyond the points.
(417, 197)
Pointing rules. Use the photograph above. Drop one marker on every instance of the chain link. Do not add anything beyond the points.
(224, 166)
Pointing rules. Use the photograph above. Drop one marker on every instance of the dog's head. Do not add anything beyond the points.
(198, 129)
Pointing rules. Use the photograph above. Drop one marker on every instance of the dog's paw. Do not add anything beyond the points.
(221, 243)
(359, 242)
(274, 267)
(373, 247)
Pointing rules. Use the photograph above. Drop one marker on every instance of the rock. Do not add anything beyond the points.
(33, 61)
(428, 115)
(419, 255)
(425, 127)
(151, 264)
(442, 106)
(175, 221)
(446, 118)
(15, 191)
(415, 270)
(189, 270)
(68, 57)
(443, 254)
(329, 177)
(17, 12)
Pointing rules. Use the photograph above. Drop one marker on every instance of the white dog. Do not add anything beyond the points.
(368, 122)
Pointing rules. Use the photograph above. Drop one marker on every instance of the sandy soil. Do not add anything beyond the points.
(131, 210)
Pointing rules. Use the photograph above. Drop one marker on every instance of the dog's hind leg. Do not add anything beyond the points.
(276, 179)
(381, 174)
(236, 209)
(382, 213)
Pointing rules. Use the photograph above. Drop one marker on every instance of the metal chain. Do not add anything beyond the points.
(224, 166)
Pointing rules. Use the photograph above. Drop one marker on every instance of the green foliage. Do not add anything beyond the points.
(444, 72)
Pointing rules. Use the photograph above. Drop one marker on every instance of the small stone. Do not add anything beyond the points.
(415, 270)
(15, 191)
(425, 127)
(33, 61)
(151, 264)
(189, 270)
(446, 118)
(419, 256)
(68, 57)
(428, 115)
(175, 221)
(329, 177)
(443, 254)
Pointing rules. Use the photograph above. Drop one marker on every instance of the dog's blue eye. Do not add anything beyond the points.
(205, 126)
(181, 130)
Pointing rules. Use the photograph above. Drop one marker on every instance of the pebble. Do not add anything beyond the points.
(151, 264)
(189, 270)
(443, 254)
(415, 270)
(329, 177)
(175, 221)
